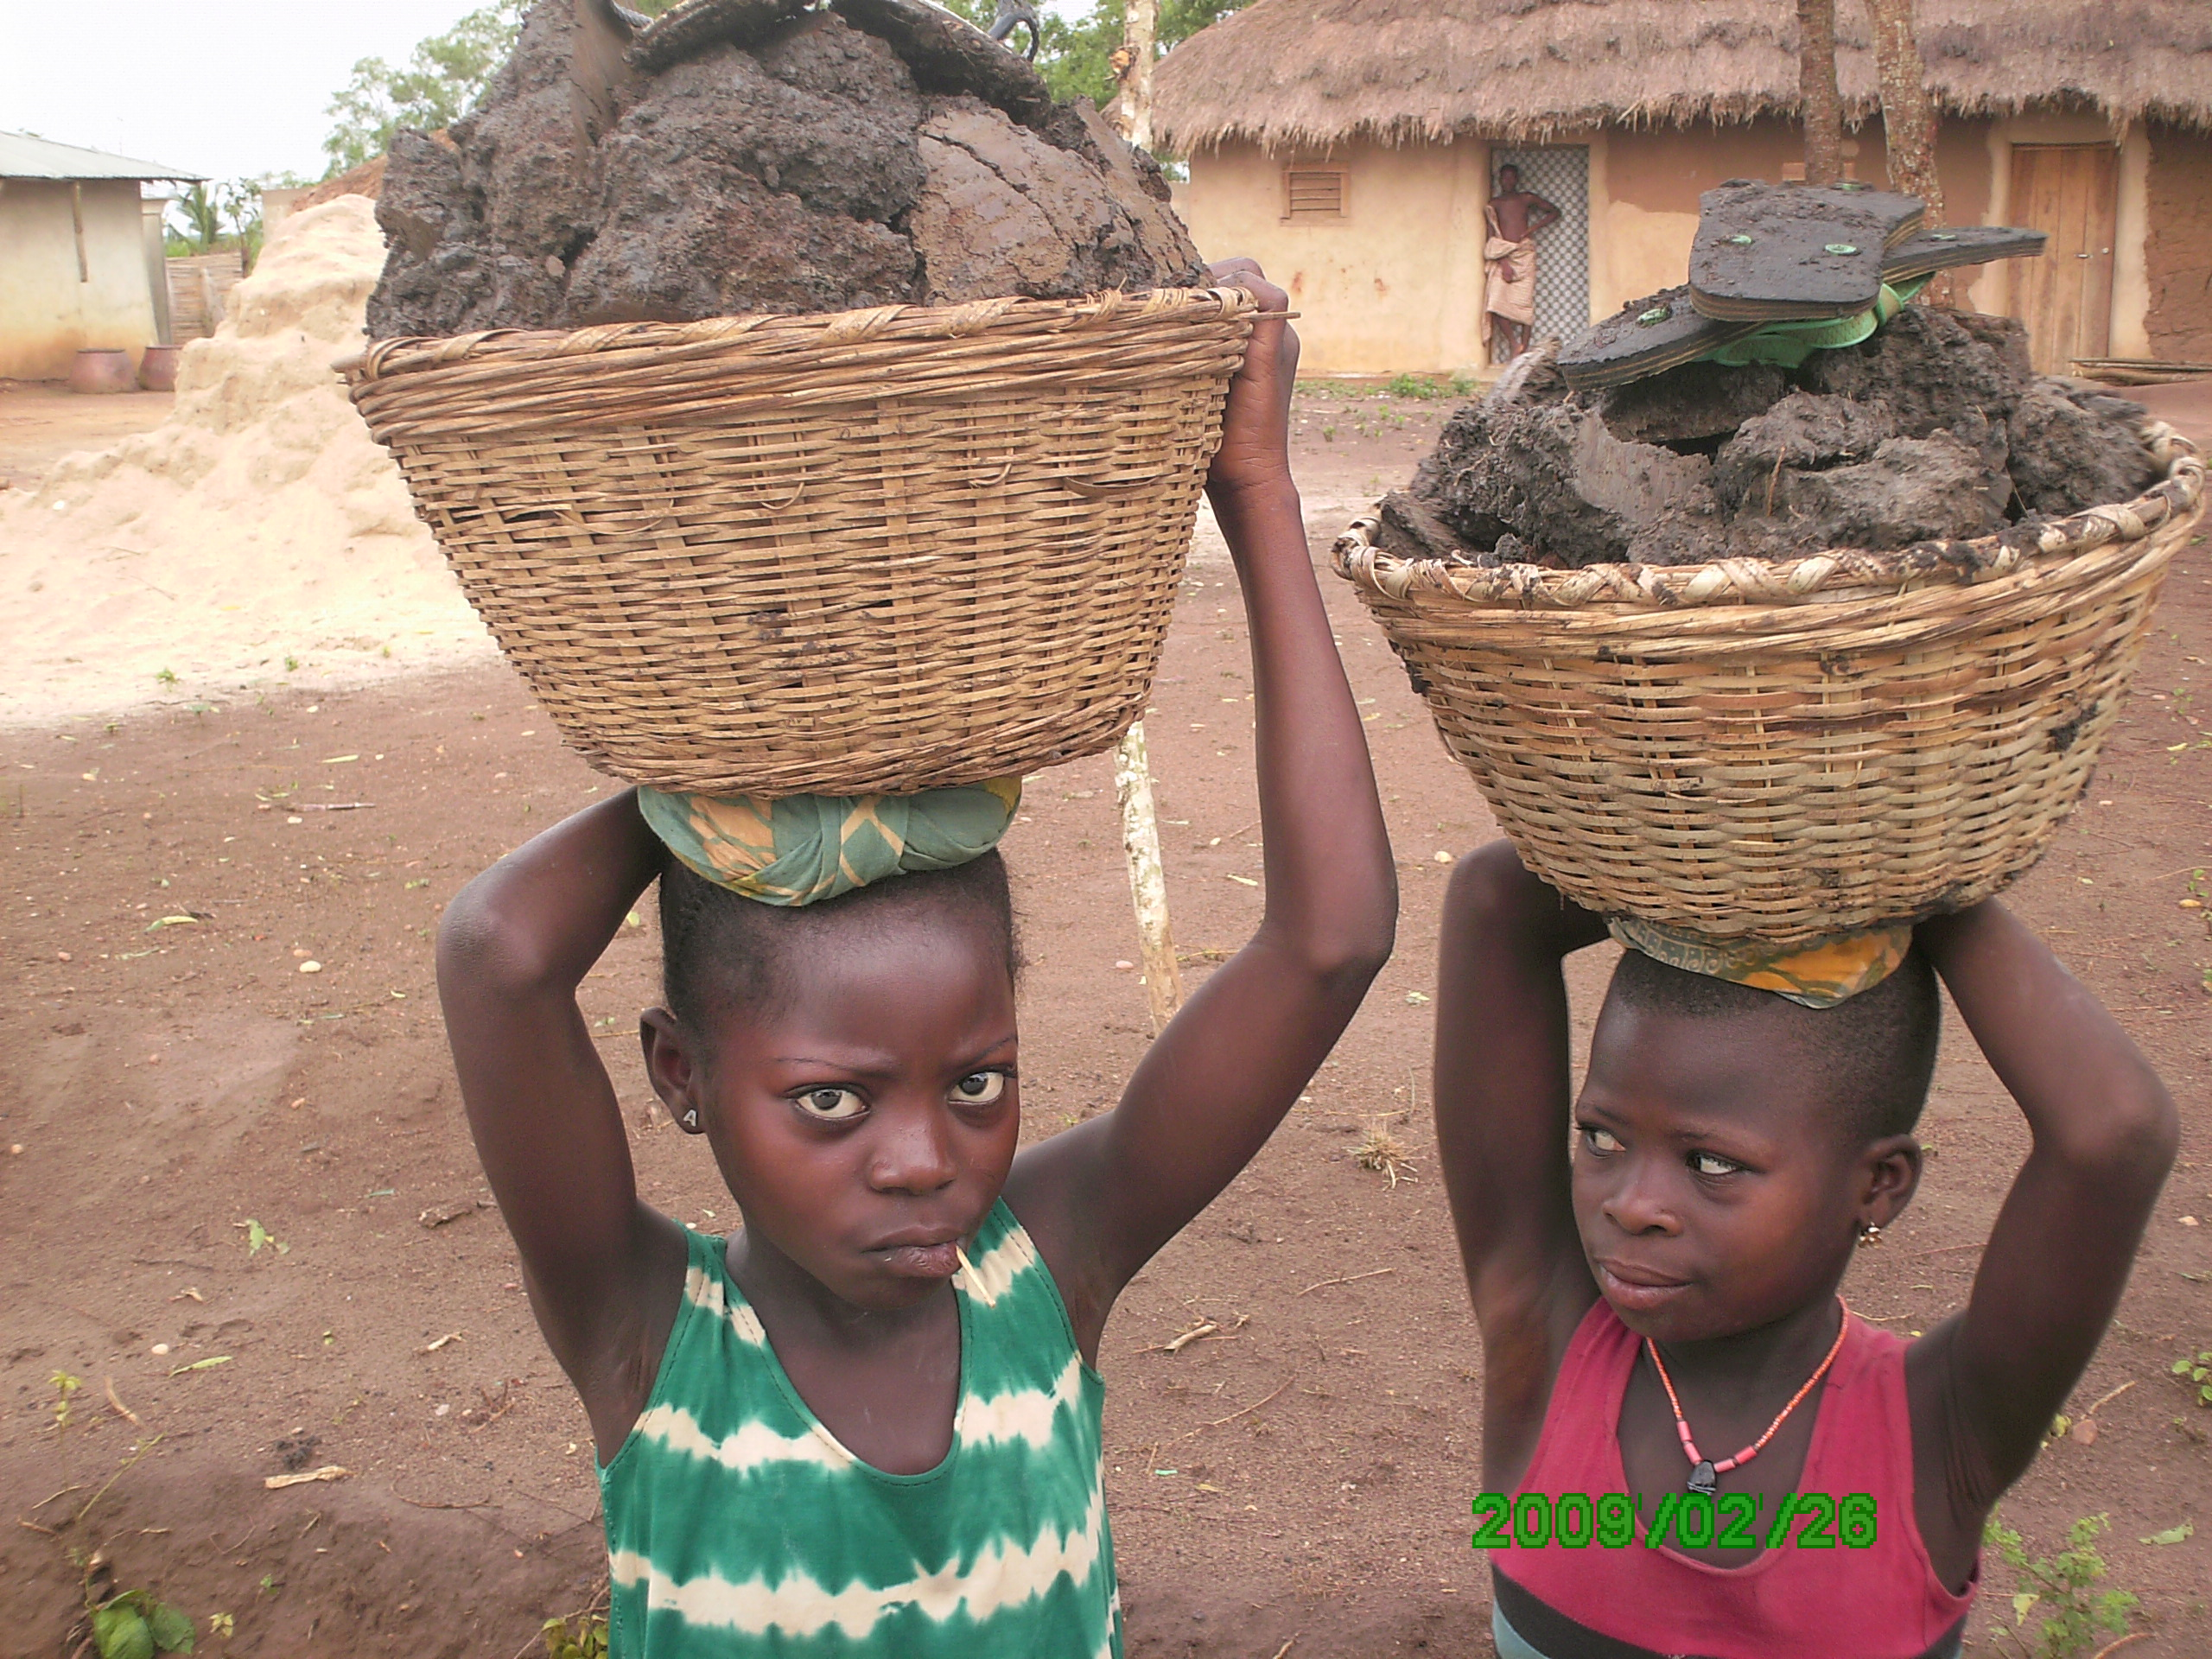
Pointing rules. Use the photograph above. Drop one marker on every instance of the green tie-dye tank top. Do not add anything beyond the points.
(737, 1526)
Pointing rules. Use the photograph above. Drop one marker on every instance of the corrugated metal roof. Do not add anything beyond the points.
(23, 156)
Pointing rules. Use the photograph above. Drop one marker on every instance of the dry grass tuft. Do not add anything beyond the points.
(1382, 1151)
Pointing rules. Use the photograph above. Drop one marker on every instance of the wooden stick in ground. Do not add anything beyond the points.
(1132, 68)
(1163, 980)
(1909, 118)
(1822, 106)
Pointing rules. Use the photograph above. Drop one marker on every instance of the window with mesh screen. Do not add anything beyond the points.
(1313, 192)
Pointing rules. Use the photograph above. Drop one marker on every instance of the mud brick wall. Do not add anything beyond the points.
(2178, 251)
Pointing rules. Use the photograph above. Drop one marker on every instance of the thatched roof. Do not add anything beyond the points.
(1305, 73)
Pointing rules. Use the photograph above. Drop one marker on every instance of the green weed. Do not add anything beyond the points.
(167, 677)
(64, 1386)
(2057, 1588)
(133, 1625)
(584, 1637)
(2196, 1370)
(1425, 388)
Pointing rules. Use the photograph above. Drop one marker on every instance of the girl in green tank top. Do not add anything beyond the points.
(867, 1423)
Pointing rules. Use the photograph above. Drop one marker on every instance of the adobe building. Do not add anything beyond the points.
(81, 256)
(1350, 145)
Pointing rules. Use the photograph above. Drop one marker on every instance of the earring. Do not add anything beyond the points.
(692, 1121)
(1870, 1235)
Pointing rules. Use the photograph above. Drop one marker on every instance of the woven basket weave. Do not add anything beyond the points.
(1788, 750)
(890, 550)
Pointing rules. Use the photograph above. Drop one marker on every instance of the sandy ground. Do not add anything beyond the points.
(39, 423)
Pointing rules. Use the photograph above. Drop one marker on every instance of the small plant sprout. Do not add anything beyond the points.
(258, 1236)
(222, 1625)
(582, 1637)
(291, 664)
(133, 1625)
(64, 1386)
(2057, 1591)
(2196, 1373)
(166, 677)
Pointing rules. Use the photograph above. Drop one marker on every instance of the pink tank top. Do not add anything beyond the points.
(1881, 1602)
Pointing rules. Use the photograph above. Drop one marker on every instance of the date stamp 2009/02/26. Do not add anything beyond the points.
(1692, 1520)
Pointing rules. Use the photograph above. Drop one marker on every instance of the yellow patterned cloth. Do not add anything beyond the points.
(803, 848)
(1819, 975)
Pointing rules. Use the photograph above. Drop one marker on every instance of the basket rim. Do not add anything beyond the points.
(779, 334)
(1360, 560)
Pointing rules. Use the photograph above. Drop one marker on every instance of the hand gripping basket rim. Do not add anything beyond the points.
(872, 552)
(1583, 701)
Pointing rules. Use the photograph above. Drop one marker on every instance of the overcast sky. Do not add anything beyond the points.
(233, 89)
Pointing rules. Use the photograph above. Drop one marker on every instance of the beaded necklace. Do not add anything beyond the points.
(1703, 1472)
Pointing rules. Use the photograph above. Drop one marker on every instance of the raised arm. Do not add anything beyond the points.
(1102, 1198)
(2105, 1132)
(1503, 1097)
(512, 950)
(1542, 214)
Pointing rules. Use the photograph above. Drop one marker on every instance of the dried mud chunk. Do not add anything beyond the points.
(1553, 475)
(461, 289)
(849, 151)
(526, 152)
(421, 202)
(1925, 366)
(698, 241)
(1803, 432)
(2066, 457)
(1937, 488)
(948, 55)
(1003, 211)
(1694, 403)
(2006, 336)
(1409, 530)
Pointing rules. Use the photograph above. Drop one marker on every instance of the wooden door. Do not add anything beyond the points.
(2070, 191)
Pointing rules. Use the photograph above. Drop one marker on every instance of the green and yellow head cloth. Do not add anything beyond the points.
(1819, 975)
(804, 848)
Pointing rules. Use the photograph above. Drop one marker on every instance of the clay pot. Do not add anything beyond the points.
(157, 369)
(102, 371)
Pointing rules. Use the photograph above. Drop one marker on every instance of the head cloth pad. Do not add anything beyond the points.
(803, 848)
(1819, 975)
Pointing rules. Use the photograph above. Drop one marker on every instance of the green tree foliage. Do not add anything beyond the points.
(447, 75)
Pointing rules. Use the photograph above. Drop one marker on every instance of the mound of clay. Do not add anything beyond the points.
(259, 522)
(1936, 429)
(787, 160)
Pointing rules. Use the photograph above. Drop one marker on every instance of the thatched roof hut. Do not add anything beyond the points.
(1309, 74)
(1351, 146)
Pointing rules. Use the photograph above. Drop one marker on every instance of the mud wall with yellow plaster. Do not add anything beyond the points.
(1396, 284)
(50, 307)
(1393, 285)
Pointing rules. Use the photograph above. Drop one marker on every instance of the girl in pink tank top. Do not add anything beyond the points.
(1691, 1447)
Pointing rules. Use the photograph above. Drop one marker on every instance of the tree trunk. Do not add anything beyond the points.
(1823, 107)
(1908, 118)
(1141, 27)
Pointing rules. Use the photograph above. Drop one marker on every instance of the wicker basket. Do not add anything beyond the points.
(890, 550)
(1783, 751)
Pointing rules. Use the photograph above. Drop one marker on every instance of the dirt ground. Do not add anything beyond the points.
(175, 1089)
(42, 421)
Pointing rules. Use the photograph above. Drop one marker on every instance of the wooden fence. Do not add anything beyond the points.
(199, 292)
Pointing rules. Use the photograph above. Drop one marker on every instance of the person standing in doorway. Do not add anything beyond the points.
(1513, 217)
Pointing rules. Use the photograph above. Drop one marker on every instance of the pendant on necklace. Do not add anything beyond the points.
(1703, 1480)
